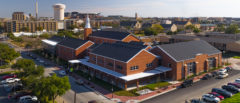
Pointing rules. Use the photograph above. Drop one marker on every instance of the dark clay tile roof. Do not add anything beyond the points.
(56, 38)
(72, 43)
(118, 51)
(118, 35)
(188, 50)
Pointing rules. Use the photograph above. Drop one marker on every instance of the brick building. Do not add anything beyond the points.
(72, 48)
(188, 58)
(107, 36)
(126, 65)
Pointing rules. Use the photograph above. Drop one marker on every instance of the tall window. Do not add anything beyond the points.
(191, 67)
(211, 62)
(119, 67)
(110, 64)
(134, 68)
(94, 59)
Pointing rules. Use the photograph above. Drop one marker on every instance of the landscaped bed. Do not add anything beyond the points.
(234, 99)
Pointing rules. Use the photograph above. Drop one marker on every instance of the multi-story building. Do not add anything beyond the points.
(19, 16)
(188, 58)
(16, 25)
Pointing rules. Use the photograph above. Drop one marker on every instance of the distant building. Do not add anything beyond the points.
(19, 16)
(132, 24)
(17, 26)
(59, 11)
(169, 27)
(182, 24)
(77, 15)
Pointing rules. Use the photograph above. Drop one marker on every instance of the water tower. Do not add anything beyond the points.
(59, 11)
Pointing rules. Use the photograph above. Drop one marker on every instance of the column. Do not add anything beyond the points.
(137, 83)
(185, 71)
(125, 85)
(216, 61)
(197, 69)
(206, 66)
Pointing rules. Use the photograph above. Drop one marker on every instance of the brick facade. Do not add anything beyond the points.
(179, 68)
(99, 40)
(67, 53)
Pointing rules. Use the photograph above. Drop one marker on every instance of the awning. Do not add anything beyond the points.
(53, 43)
(163, 69)
(119, 75)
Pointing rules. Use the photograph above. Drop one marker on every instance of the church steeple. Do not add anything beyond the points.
(87, 29)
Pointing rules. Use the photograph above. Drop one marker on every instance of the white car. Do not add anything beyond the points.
(10, 80)
(62, 72)
(222, 71)
(27, 98)
(237, 80)
(222, 75)
(210, 98)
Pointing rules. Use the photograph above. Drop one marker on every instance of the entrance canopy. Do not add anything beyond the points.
(158, 70)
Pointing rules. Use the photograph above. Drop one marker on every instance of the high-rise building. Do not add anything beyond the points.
(59, 11)
(18, 16)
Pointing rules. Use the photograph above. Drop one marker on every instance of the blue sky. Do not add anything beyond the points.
(145, 8)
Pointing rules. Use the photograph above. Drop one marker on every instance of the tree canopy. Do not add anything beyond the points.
(220, 28)
(7, 54)
(232, 29)
(150, 31)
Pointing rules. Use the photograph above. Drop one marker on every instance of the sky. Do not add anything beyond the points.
(144, 8)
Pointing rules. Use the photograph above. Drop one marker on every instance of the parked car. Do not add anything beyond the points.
(222, 75)
(196, 101)
(210, 98)
(9, 76)
(214, 73)
(17, 87)
(217, 95)
(237, 81)
(222, 92)
(10, 80)
(228, 69)
(234, 84)
(26, 98)
(20, 94)
(79, 81)
(222, 71)
(92, 101)
(62, 72)
(187, 83)
(207, 76)
(230, 88)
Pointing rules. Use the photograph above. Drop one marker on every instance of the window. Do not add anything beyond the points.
(100, 61)
(134, 68)
(94, 59)
(191, 67)
(149, 65)
(119, 67)
(110, 64)
(169, 65)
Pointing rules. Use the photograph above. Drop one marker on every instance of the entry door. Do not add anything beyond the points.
(183, 73)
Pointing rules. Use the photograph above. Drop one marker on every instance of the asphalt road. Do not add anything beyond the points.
(195, 91)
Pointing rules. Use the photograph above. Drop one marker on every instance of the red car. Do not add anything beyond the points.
(234, 84)
(9, 76)
(217, 95)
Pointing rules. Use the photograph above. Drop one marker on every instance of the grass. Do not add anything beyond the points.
(7, 73)
(124, 93)
(234, 99)
(236, 57)
(4, 66)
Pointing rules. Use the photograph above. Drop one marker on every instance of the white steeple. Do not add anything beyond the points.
(88, 25)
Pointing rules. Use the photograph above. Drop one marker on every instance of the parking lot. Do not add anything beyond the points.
(195, 91)
(4, 95)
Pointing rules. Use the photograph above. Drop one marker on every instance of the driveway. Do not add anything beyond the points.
(195, 91)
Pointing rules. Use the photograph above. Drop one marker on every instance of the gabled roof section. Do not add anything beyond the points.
(73, 43)
(166, 26)
(188, 50)
(118, 51)
(117, 35)
(56, 38)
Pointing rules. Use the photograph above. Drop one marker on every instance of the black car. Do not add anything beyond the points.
(187, 83)
(17, 87)
(222, 92)
(207, 76)
(196, 101)
(230, 88)
(214, 73)
(228, 69)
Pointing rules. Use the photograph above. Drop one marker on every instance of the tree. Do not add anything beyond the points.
(40, 28)
(232, 29)
(45, 36)
(65, 33)
(196, 30)
(48, 88)
(7, 54)
(23, 64)
(220, 28)
(158, 28)
(72, 27)
(150, 31)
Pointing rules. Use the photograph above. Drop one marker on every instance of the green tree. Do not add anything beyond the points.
(48, 88)
(158, 28)
(196, 30)
(65, 33)
(7, 54)
(72, 27)
(22, 64)
(220, 28)
(150, 31)
(45, 36)
(232, 29)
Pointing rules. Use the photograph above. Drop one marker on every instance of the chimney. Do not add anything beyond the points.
(87, 29)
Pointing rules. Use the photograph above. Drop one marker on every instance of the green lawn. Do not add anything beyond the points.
(236, 57)
(234, 99)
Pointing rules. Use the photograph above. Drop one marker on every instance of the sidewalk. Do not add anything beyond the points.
(153, 94)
